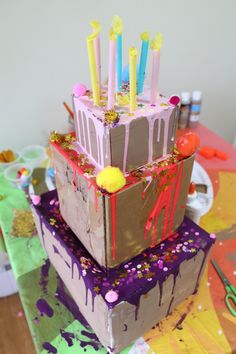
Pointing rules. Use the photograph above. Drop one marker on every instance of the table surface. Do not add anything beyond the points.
(201, 324)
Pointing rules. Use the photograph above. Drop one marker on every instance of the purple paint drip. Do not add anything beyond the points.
(50, 348)
(66, 300)
(44, 308)
(68, 336)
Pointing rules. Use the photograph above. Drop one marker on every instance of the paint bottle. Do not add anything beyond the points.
(193, 205)
(196, 106)
(184, 110)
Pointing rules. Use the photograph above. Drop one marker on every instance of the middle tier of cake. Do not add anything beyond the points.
(116, 227)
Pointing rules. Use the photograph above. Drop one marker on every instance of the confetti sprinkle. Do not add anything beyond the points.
(213, 236)
(220, 331)
(199, 307)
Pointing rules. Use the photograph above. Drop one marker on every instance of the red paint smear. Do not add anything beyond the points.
(113, 225)
(73, 165)
(163, 201)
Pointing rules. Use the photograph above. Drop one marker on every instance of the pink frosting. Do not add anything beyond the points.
(111, 296)
(36, 199)
(79, 90)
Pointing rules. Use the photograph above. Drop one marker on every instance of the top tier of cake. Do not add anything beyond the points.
(123, 139)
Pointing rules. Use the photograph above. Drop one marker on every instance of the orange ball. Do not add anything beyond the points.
(187, 144)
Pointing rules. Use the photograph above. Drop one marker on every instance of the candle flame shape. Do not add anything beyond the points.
(117, 24)
(156, 43)
(133, 51)
(144, 36)
(95, 26)
(91, 37)
(112, 35)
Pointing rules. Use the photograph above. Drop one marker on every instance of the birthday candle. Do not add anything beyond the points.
(156, 46)
(96, 30)
(117, 28)
(112, 71)
(132, 78)
(93, 69)
(143, 61)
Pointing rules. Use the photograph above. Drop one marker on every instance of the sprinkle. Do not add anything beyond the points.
(234, 272)
(213, 236)
(220, 331)
(199, 307)
(139, 266)
(208, 284)
(20, 314)
(165, 269)
(220, 243)
(197, 233)
(111, 296)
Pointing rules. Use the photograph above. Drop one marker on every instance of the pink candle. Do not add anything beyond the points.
(156, 46)
(112, 72)
(155, 74)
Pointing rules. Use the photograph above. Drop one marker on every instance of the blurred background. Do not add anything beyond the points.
(43, 53)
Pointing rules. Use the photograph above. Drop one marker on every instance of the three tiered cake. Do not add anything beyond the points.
(115, 229)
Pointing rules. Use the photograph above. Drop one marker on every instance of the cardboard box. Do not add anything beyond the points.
(135, 140)
(131, 298)
(116, 227)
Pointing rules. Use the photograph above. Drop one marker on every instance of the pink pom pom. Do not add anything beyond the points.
(111, 296)
(174, 100)
(79, 90)
(36, 199)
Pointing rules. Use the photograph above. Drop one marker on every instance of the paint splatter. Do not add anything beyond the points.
(68, 336)
(49, 347)
(44, 308)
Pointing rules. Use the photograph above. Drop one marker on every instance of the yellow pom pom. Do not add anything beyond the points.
(111, 179)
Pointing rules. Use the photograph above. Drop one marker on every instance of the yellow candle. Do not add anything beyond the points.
(93, 69)
(132, 78)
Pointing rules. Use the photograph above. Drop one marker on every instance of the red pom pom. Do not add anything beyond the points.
(187, 144)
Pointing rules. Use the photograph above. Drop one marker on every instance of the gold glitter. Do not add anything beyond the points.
(111, 116)
(23, 224)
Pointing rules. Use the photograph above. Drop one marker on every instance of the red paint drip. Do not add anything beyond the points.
(171, 180)
(176, 196)
(113, 225)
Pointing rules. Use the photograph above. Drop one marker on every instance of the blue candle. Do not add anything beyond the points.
(117, 28)
(119, 62)
(143, 61)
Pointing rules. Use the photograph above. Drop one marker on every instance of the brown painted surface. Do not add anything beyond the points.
(94, 228)
(15, 336)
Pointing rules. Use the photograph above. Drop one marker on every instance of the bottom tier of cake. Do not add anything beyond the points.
(122, 303)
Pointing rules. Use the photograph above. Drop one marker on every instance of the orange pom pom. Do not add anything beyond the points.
(207, 152)
(187, 144)
(221, 155)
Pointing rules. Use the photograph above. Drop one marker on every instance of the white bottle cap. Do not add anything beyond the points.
(185, 97)
(196, 95)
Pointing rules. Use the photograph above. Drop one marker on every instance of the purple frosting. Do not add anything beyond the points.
(135, 277)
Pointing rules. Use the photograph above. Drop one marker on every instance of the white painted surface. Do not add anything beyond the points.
(43, 53)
